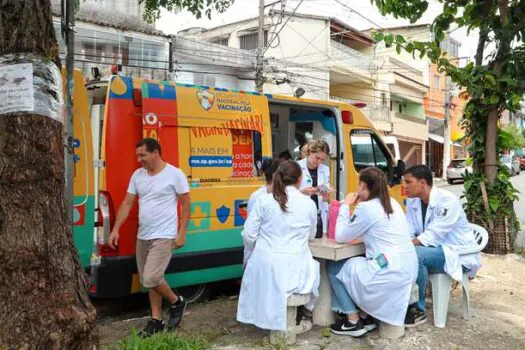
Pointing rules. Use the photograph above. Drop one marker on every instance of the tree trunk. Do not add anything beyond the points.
(491, 167)
(43, 298)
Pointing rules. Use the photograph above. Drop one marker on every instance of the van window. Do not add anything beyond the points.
(367, 151)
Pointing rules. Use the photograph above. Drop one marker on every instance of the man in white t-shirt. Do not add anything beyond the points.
(159, 186)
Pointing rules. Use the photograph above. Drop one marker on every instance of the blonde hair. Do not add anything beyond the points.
(316, 146)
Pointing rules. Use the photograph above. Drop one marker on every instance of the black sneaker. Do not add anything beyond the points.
(176, 311)
(345, 327)
(369, 323)
(152, 327)
(415, 317)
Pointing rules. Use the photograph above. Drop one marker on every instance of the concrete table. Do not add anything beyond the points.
(325, 249)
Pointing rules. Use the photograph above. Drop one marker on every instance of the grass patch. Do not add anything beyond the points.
(162, 341)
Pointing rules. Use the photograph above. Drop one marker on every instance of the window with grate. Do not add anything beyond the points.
(223, 42)
(251, 41)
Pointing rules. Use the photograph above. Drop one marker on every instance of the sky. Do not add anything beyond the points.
(364, 16)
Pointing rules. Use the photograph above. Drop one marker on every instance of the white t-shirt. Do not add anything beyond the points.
(158, 201)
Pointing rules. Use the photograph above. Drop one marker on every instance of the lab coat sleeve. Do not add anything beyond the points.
(251, 203)
(445, 216)
(410, 219)
(313, 220)
(352, 227)
(252, 226)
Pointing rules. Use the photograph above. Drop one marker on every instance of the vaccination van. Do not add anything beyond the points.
(218, 138)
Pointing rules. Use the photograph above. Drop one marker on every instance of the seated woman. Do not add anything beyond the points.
(278, 229)
(379, 284)
(269, 167)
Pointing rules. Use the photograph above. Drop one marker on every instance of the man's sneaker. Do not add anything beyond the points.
(345, 327)
(153, 326)
(414, 317)
(176, 311)
(369, 323)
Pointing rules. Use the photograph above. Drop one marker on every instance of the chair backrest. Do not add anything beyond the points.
(481, 237)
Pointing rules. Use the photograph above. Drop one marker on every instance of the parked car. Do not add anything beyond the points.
(512, 163)
(522, 163)
(456, 169)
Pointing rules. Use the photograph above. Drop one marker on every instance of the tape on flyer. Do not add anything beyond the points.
(30, 84)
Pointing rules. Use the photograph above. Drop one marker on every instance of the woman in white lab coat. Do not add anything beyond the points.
(269, 167)
(380, 283)
(278, 229)
(316, 181)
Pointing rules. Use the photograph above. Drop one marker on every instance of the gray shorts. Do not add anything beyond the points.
(153, 257)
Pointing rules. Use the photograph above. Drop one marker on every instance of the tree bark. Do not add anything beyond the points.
(43, 298)
(491, 167)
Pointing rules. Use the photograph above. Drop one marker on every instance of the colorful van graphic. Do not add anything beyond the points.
(219, 139)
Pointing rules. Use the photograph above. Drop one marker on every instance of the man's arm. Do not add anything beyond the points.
(446, 216)
(185, 203)
(122, 215)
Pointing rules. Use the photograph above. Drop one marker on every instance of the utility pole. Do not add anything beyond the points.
(259, 78)
(446, 130)
(68, 33)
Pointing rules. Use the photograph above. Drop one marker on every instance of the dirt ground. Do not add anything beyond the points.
(498, 322)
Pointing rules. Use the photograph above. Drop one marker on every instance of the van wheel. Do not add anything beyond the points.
(198, 292)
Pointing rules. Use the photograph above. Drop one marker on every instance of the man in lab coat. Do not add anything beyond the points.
(440, 230)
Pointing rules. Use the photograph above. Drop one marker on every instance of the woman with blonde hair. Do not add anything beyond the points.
(316, 181)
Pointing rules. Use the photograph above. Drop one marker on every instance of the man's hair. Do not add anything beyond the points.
(151, 145)
(421, 172)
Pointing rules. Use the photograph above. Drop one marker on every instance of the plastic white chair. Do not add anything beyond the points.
(441, 282)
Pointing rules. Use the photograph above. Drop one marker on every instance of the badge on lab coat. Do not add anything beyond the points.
(441, 212)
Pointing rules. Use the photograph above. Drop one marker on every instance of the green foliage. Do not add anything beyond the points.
(494, 83)
(499, 206)
(152, 8)
(512, 138)
(161, 341)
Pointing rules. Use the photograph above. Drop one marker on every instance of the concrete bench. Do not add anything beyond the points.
(389, 331)
(288, 337)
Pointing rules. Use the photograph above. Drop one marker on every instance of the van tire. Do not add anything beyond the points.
(196, 293)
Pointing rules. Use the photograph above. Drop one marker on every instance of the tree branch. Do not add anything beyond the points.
(483, 34)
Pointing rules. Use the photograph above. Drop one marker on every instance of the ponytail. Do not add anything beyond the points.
(384, 197)
(279, 190)
(288, 173)
(375, 181)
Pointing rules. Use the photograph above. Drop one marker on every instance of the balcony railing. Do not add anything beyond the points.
(352, 57)
(410, 118)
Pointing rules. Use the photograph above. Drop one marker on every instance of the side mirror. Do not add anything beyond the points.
(399, 170)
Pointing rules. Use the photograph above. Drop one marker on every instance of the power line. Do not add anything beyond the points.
(284, 25)
(357, 13)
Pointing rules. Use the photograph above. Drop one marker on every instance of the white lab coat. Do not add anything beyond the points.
(251, 202)
(323, 178)
(383, 293)
(446, 225)
(281, 263)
